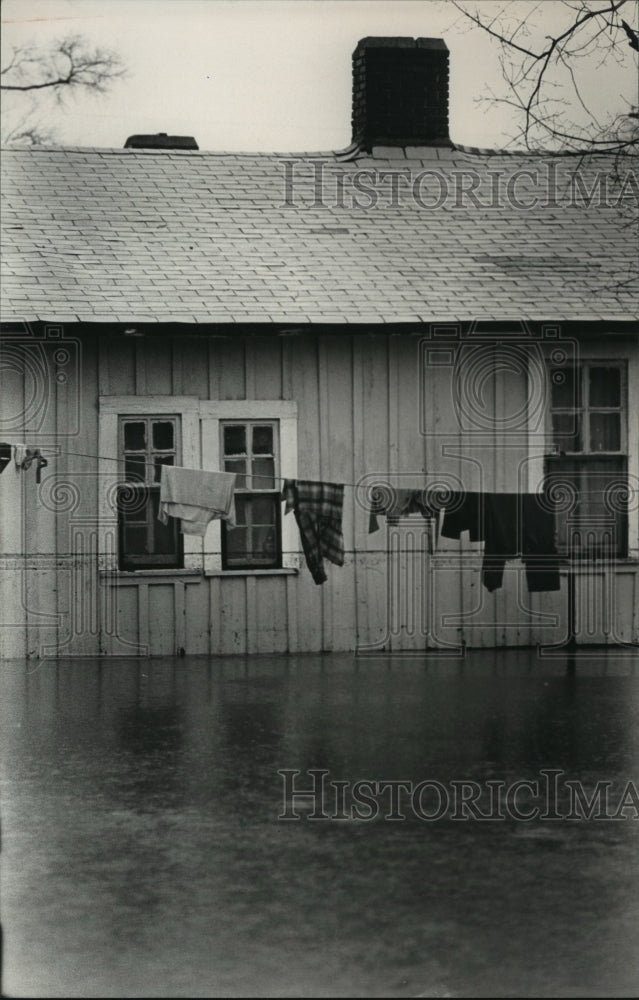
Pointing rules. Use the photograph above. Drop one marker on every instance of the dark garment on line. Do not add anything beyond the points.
(5, 455)
(501, 536)
(520, 524)
(464, 513)
(318, 512)
(400, 503)
(538, 547)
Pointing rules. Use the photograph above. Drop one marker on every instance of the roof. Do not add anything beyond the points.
(399, 236)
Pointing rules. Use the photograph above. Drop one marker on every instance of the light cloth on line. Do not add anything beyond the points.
(196, 497)
(20, 455)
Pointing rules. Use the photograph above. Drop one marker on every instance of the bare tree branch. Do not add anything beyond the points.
(69, 66)
(545, 81)
(69, 63)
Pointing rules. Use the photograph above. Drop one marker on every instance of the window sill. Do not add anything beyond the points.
(152, 574)
(587, 564)
(191, 575)
(285, 571)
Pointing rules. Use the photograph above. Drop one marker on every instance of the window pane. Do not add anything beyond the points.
(132, 501)
(238, 466)
(236, 544)
(163, 435)
(235, 439)
(263, 510)
(134, 469)
(159, 462)
(600, 520)
(134, 435)
(148, 444)
(263, 544)
(240, 508)
(596, 524)
(262, 440)
(135, 541)
(566, 388)
(164, 535)
(263, 473)
(605, 387)
(566, 428)
(133, 512)
(605, 431)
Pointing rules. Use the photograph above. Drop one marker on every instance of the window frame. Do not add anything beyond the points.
(132, 562)
(200, 450)
(586, 458)
(250, 491)
(284, 412)
(111, 473)
(584, 365)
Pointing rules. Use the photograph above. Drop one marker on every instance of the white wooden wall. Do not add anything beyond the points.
(367, 408)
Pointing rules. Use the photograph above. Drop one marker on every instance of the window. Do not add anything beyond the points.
(146, 443)
(249, 448)
(588, 433)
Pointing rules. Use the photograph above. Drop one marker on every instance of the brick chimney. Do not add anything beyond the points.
(400, 92)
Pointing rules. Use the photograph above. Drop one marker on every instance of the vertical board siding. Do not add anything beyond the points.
(367, 409)
(336, 443)
(227, 368)
(371, 461)
(411, 467)
(80, 523)
(301, 380)
(229, 618)
(154, 367)
(271, 618)
(161, 615)
(13, 634)
(197, 637)
(128, 624)
(264, 367)
(39, 526)
(191, 371)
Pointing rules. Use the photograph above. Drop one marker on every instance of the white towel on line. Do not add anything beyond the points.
(196, 497)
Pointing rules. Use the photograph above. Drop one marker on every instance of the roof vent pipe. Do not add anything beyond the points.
(161, 141)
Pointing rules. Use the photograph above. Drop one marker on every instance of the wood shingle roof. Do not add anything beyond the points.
(401, 236)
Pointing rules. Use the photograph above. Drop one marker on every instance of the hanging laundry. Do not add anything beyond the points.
(538, 547)
(5, 455)
(520, 524)
(501, 536)
(510, 525)
(41, 463)
(400, 503)
(196, 497)
(318, 512)
(464, 512)
(25, 456)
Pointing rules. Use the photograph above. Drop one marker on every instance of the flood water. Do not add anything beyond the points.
(143, 855)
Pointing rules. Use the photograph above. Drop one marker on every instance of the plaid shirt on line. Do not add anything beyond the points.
(318, 512)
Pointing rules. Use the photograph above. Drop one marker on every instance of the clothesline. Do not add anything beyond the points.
(440, 491)
(369, 487)
(509, 524)
(270, 478)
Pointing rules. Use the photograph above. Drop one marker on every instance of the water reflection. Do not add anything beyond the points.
(143, 855)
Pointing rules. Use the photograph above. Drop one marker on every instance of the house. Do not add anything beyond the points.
(405, 313)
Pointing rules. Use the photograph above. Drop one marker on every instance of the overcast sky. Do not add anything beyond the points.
(266, 74)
